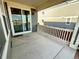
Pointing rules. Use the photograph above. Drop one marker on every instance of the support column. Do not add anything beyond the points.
(75, 37)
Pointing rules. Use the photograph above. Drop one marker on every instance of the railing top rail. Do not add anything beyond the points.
(58, 28)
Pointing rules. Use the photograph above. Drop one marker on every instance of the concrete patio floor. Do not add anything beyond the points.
(40, 46)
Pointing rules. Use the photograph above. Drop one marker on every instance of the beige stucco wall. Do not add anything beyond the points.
(2, 7)
(62, 10)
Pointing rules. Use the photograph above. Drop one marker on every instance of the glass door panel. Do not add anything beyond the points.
(17, 20)
(26, 20)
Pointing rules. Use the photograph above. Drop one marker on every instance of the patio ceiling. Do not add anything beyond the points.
(39, 4)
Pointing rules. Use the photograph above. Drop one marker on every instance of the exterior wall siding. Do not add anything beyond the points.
(60, 25)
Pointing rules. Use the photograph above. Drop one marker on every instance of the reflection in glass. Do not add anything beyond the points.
(17, 20)
(26, 20)
(21, 20)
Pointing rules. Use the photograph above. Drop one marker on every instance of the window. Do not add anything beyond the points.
(68, 21)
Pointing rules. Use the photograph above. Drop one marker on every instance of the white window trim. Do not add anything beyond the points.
(68, 20)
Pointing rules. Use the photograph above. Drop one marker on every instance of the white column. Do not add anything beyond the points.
(72, 45)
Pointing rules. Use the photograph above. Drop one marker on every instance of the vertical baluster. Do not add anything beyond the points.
(69, 37)
(46, 30)
(66, 36)
(57, 32)
(49, 31)
(63, 35)
(53, 32)
(60, 33)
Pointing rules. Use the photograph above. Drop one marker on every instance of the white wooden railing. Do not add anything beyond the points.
(64, 34)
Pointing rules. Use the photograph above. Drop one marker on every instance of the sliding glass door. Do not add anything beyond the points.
(17, 20)
(20, 21)
(26, 20)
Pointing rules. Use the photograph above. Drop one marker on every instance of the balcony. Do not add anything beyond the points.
(33, 32)
(43, 44)
(40, 46)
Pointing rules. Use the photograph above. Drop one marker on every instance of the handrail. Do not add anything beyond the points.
(64, 34)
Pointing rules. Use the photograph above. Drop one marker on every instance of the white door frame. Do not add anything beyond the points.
(12, 27)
